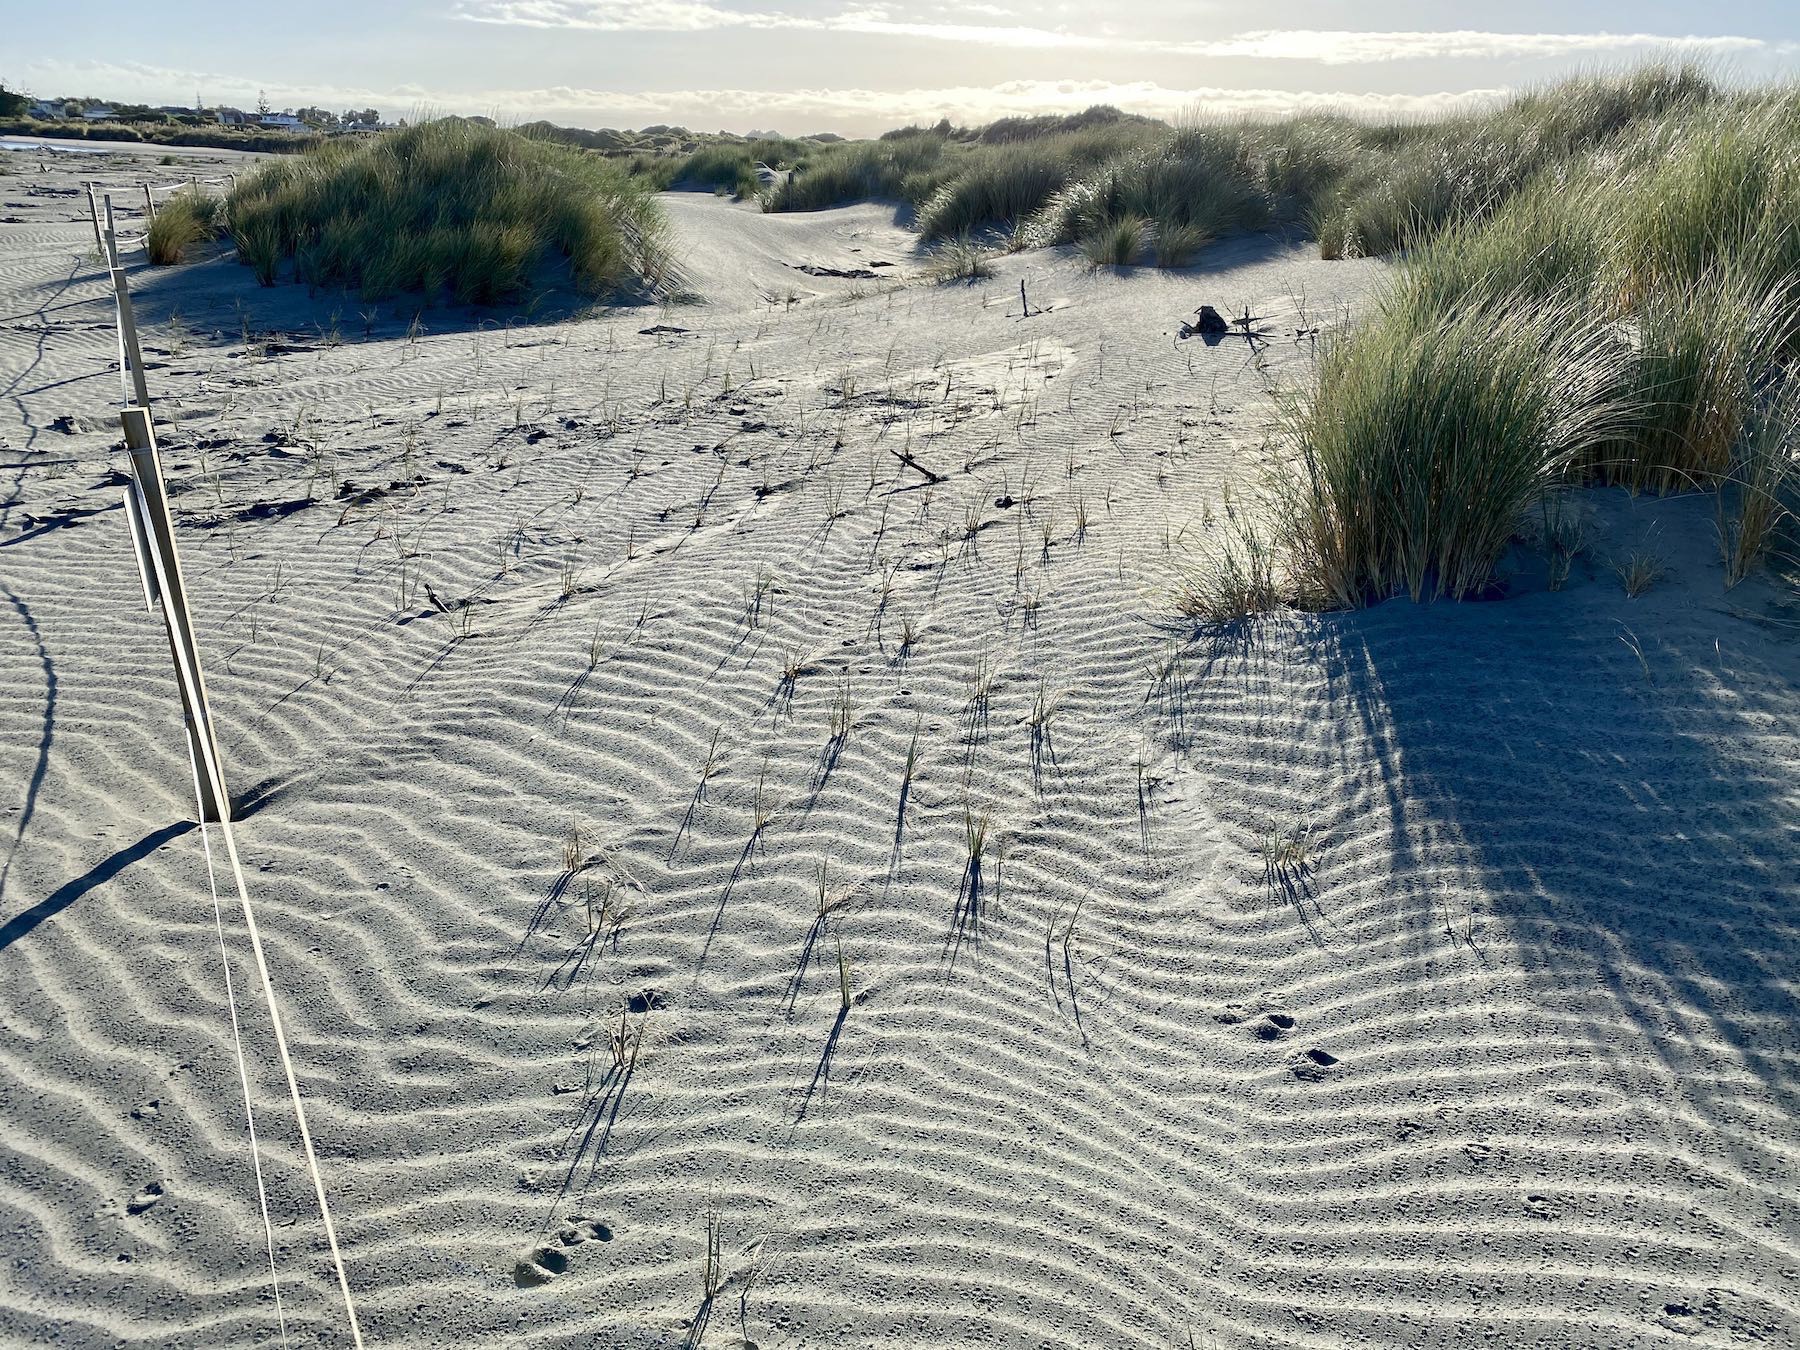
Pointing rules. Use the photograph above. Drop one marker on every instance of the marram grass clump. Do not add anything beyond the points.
(1427, 437)
(189, 217)
(449, 206)
(1625, 316)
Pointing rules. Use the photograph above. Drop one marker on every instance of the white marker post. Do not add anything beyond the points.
(94, 215)
(153, 541)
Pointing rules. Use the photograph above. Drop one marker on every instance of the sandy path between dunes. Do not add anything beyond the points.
(1420, 977)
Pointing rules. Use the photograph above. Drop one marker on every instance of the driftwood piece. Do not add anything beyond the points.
(906, 458)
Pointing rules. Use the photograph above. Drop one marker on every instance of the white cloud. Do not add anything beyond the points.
(1344, 48)
(624, 16)
(1325, 46)
(853, 111)
(869, 109)
(695, 16)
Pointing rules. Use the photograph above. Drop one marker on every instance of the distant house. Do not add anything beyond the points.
(100, 114)
(232, 117)
(279, 122)
(45, 112)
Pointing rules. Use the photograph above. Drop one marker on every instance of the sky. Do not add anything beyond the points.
(803, 66)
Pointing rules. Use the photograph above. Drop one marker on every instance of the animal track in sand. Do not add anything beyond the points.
(147, 1196)
(1310, 1065)
(1269, 1026)
(545, 1261)
(1274, 1025)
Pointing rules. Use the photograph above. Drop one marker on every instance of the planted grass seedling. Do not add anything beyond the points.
(1636, 648)
(793, 666)
(1639, 570)
(1287, 858)
(1144, 783)
(908, 772)
(971, 894)
(709, 768)
(981, 692)
(764, 810)
(1043, 713)
(1564, 536)
(843, 979)
(843, 717)
(1066, 941)
(759, 595)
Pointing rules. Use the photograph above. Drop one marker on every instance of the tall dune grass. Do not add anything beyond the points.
(1759, 493)
(1624, 317)
(1429, 434)
(730, 167)
(1364, 188)
(1406, 181)
(452, 206)
(1007, 182)
(187, 218)
(907, 168)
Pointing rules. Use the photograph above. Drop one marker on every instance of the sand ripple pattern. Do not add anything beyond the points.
(1423, 977)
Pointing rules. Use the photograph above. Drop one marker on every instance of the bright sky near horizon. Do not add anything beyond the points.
(801, 66)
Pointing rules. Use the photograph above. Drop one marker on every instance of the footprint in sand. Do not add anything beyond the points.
(146, 1197)
(1311, 1065)
(1273, 1026)
(540, 1265)
(545, 1261)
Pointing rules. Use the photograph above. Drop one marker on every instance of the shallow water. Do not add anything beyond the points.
(13, 143)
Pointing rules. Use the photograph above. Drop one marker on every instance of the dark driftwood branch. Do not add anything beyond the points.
(906, 458)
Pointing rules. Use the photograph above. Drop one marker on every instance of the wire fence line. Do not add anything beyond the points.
(98, 191)
(159, 569)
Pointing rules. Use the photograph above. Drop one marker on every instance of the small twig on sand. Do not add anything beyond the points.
(906, 458)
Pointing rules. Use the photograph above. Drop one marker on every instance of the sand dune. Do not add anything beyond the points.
(1422, 977)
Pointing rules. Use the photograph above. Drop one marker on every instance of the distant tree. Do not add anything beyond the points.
(12, 103)
(262, 104)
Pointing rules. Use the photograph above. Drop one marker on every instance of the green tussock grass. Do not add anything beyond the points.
(730, 168)
(1402, 182)
(1363, 188)
(1759, 497)
(187, 218)
(449, 206)
(961, 260)
(906, 168)
(1008, 182)
(1624, 316)
(1115, 241)
(1429, 434)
